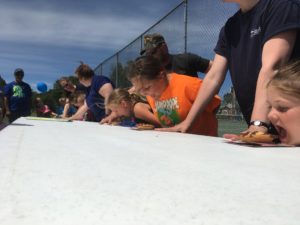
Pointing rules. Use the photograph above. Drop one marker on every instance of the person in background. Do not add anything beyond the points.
(72, 89)
(79, 98)
(186, 63)
(130, 106)
(171, 95)
(78, 101)
(2, 106)
(43, 110)
(254, 42)
(2, 124)
(17, 97)
(66, 108)
(283, 94)
(100, 88)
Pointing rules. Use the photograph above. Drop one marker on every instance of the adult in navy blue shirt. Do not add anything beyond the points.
(253, 44)
(100, 87)
(17, 97)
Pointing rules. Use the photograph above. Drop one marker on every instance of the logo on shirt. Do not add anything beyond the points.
(18, 91)
(255, 32)
(167, 111)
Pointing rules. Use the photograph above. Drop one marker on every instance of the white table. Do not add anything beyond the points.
(75, 173)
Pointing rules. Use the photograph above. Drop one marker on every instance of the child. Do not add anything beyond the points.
(283, 94)
(172, 95)
(66, 109)
(43, 110)
(79, 98)
(123, 104)
(78, 101)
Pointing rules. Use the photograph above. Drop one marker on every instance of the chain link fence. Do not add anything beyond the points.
(192, 26)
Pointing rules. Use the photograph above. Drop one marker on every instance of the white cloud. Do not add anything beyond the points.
(56, 28)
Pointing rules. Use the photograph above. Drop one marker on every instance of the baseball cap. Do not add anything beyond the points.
(152, 41)
(19, 72)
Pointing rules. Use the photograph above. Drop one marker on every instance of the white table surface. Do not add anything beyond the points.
(75, 173)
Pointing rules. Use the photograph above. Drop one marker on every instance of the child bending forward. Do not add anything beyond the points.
(172, 95)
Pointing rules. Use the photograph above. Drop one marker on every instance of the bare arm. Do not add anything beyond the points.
(143, 111)
(80, 112)
(105, 91)
(7, 112)
(276, 51)
(210, 86)
(209, 66)
(110, 118)
(66, 110)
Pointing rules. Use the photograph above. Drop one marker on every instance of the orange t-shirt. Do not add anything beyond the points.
(176, 101)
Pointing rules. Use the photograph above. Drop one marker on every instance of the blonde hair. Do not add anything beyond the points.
(80, 98)
(120, 94)
(287, 79)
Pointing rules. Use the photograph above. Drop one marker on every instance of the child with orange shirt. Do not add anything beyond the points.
(172, 95)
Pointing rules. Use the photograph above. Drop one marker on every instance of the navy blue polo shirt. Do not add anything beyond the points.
(242, 38)
(94, 100)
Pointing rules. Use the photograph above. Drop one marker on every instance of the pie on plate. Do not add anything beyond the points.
(144, 126)
(258, 137)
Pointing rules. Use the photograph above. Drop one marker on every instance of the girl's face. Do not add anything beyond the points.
(285, 115)
(122, 109)
(153, 88)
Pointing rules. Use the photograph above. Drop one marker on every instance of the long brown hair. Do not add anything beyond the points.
(146, 67)
(84, 71)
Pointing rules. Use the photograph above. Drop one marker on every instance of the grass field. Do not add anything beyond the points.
(231, 127)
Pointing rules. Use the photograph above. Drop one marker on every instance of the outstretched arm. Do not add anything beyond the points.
(80, 112)
(210, 86)
(276, 51)
(66, 110)
(105, 92)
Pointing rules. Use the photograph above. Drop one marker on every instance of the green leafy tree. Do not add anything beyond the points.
(118, 76)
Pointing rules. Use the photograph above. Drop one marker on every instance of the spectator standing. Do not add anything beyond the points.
(17, 97)
(186, 63)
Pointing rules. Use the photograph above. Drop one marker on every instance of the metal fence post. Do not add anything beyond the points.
(117, 70)
(185, 24)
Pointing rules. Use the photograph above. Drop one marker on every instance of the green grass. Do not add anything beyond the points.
(231, 126)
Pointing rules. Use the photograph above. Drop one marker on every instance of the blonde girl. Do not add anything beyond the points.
(123, 104)
(283, 95)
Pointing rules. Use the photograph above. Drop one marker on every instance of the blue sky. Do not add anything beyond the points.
(49, 38)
